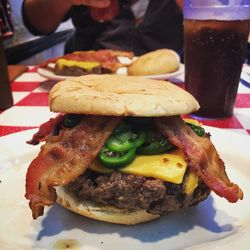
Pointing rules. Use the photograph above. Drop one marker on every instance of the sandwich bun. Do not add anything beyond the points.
(111, 214)
(101, 212)
(161, 61)
(118, 95)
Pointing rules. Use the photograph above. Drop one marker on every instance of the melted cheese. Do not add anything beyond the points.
(167, 167)
(60, 63)
(191, 183)
(192, 121)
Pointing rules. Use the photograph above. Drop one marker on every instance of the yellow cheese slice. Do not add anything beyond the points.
(60, 63)
(191, 183)
(167, 167)
(99, 168)
(192, 121)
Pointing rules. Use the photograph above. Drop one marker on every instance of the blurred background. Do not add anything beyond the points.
(20, 46)
(23, 48)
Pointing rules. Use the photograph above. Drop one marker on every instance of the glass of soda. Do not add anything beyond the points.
(215, 41)
(107, 13)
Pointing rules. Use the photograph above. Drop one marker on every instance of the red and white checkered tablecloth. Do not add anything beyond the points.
(30, 92)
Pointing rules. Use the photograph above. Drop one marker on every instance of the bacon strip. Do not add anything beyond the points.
(201, 157)
(45, 129)
(129, 54)
(65, 157)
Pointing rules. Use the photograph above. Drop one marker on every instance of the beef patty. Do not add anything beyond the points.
(133, 192)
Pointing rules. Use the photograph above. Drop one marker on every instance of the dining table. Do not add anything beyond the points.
(213, 223)
(30, 93)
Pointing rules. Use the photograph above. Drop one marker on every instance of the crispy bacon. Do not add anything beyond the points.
(45, 129)
(65, 157)
(107, 58)
(128, 54)
(201, 157)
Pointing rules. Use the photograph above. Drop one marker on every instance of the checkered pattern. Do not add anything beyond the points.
(30, 92)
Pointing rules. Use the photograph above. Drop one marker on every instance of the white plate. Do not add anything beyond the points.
(214, 224)
(122, 71)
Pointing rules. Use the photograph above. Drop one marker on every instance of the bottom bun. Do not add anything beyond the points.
(102, 212)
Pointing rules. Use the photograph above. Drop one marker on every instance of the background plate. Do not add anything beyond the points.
(214, 223)
(122, 71)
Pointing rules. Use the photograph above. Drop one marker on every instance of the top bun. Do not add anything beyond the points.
(161, 61)
(118, 95)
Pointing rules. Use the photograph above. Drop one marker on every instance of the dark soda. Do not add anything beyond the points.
(214, 54)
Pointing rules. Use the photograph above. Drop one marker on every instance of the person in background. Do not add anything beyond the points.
(141, 25)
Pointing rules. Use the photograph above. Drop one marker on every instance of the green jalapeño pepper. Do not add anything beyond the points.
(71, 120)
(123, 127)
(200, 131)
(124, 141)
(155, 143)
(140, 121)
(114, 160)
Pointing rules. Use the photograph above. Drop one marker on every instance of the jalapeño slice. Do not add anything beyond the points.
(114, 160)
(124, 141)
(155, 143)
(71, 120)
(123, 127)
(200, 131)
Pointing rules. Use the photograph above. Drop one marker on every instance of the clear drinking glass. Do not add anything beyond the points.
(215, 40)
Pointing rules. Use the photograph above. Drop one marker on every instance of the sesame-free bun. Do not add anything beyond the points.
(102, 212)
(111, 214)
(120, 96)
(158, 62)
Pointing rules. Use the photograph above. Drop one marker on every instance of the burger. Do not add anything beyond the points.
(119, 151)
(79, 63)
